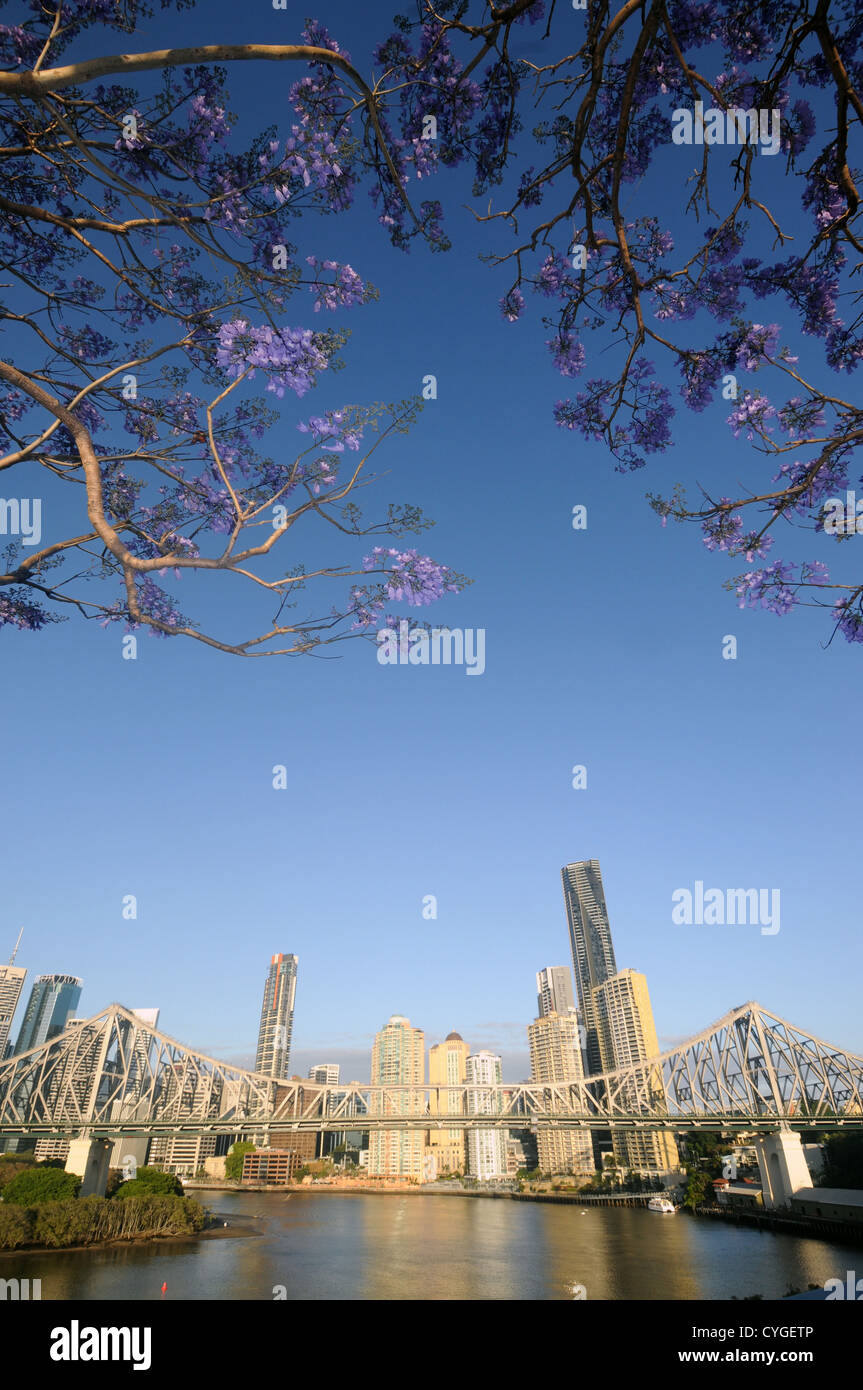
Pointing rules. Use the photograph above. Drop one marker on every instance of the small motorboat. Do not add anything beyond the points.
(661, 1204)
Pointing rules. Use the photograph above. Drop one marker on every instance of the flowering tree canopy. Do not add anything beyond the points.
(135, 369)
(571, 119)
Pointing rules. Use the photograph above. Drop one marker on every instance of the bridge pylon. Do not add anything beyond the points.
(89, 1159)
(783, 1167)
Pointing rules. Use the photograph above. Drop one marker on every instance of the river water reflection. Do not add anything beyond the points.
(326, 1246)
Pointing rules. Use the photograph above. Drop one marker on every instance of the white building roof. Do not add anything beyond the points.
(840, 1196)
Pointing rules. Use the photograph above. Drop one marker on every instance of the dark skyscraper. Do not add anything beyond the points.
(277, 1017)
(590, 938)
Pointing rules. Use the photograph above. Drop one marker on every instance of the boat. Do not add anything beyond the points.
(661, 1204)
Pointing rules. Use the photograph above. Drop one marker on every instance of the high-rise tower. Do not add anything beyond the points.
(398, 1059)
(486, 1147)
(277, 1017)
(554, 991)
(447, 1067)
(627, 1036)
(555, 1056)
(11, 984)
(53, 1000)
(325, 1073)
(590, 938)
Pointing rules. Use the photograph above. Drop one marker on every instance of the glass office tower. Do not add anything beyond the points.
(53, 1000)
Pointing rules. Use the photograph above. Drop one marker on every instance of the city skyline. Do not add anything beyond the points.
(272, 1057)
(584, 899)
(426, 1145)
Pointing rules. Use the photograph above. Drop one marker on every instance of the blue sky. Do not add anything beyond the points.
(603, 648)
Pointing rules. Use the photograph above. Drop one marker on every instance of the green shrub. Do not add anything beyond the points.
(151, 1182)
(234, 1160)
(148, 1215)
(13, 1164)
(35, 1185)
(60, 1224)
(16, 1227)
(91, 1220)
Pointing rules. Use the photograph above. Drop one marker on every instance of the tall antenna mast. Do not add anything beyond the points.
(17, 944)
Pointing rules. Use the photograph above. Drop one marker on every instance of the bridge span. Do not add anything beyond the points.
(114, 1075)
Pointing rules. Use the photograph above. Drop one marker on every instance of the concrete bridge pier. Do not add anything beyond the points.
(783, 1167)
(89, 1158)
(129, 1153)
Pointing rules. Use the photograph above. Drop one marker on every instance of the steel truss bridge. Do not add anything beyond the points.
(115, 1075)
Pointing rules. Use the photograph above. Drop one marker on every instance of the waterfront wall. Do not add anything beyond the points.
(845, 1231)
(626, 1199)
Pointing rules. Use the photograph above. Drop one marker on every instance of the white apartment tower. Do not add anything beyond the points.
(325, 1073)
(486, 1147)
(398, 1059)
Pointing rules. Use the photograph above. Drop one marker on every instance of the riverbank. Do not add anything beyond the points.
(358, 1189)
(843, 1232)
(291, 1189)
(239, 1227)
(94, 1222)
(847, 1232)
(187, 1238)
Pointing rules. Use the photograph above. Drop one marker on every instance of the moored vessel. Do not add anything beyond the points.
(661, 1204)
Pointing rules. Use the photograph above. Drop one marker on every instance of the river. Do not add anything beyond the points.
(324, 1246)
